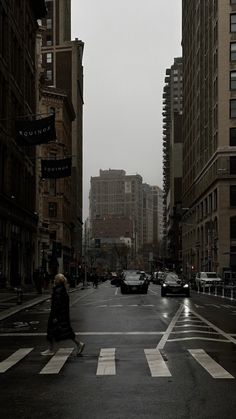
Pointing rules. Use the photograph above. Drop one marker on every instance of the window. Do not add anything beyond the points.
(233, 195)
(232, 80)
(232, 140)
(233, 22)
(232, 165)
(49, 58)
(233, 51)
(233, 108)
(49, 40)
(233, 1)
(49, 23)
(52, 209)
(52, 187)
(49, 75)
(233, 228)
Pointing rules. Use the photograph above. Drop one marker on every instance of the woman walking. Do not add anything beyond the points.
(59, 327)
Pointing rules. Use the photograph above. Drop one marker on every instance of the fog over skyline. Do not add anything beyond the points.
(128, 46)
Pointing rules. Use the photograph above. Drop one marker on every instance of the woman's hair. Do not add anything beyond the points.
(60, 279)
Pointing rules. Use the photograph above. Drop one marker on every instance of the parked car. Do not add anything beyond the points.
(134, 281)
(207, 279)
(173, 284)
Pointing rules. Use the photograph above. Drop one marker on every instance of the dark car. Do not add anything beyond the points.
(173, 284)
(134, 281)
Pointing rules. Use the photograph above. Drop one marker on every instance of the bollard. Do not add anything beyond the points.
(215, 290)
(203, 288)
(223, 292)
(231, 294)
(209, 289)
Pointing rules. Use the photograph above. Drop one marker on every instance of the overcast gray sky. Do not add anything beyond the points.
(128, 46)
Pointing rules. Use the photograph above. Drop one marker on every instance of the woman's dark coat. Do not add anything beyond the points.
(59, 327)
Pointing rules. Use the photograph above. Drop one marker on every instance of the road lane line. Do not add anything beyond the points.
(209, 364)
(156, 363)
(166, 335)
(57, 361)
(106, 362)
(14, 359)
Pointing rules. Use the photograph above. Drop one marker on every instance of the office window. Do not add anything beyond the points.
(232, 139)
(232, 80)
(49, 58)
(233, 108)
(233, 51)
(233, 1)
(233, 195)
(52, 209)
(232, 165)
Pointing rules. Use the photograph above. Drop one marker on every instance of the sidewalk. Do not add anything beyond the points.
(9, 304)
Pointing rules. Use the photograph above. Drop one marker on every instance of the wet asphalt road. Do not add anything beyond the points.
(145, 357)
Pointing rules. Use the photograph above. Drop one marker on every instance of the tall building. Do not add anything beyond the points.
(55, 198)
(157, 199)
(209, 134)
(117, 195)
(62, 61)
(172, 159)
(18, 98)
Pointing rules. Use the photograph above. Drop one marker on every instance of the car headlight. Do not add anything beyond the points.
(164, 285)
(185, 285)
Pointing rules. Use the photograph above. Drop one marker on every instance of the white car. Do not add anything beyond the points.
(207, 279)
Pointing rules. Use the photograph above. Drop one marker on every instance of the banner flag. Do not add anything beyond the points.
(56, 168)
(39, 131)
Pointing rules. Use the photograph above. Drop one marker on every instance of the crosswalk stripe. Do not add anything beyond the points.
(156, 363)
(14, 359)
(106, 362)
(57, 361)
(209, 364)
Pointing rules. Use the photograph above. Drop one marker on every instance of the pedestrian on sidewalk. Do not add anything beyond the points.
(59, 327)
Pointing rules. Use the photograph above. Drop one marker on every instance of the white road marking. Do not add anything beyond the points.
(57, 361)
(189, 320)
(212, 305)
(217, 329)
(148, 305)
(195, 331)
(198, 338)
(228, 306)
(192, 325)
(166, 335)
(14, 358)
(157, 365)
(209, 364)
(117, 305)
(197, 306)
(106, 362)
(105, 305)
